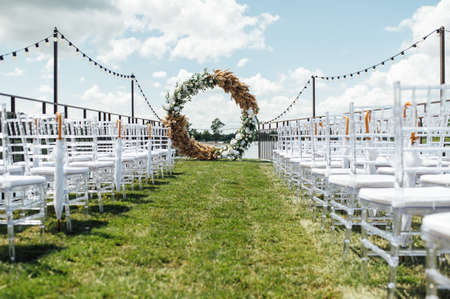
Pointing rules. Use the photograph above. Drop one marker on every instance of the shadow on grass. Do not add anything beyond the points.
(114, 209)
(412, 292)
(149, 188)
(28, 253)
(137, 197)
(160, 183)
(78, 226)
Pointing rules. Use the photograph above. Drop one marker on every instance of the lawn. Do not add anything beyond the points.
(213, 229)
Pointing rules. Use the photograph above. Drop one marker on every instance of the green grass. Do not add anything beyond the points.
(213, 229)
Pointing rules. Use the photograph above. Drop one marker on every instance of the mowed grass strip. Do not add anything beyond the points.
(213, 229)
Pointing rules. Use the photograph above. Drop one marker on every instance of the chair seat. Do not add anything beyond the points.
(13, 169)
(137, 155)
(379, 162)
(299, 160)
(437, 224)
(320, 164)
(363, 180)
(8, 181)
(93, 164)
(289, 155)
(334, 171)
(125, 158)
(421, 197)
(436, 179)
(432, 162)
(421, 170)
(50, 171)
(80, 158)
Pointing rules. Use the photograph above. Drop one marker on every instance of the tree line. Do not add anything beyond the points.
(215, 134)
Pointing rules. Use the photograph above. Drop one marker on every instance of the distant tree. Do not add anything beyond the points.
(189, 128)
(205, 136)
(216, 125)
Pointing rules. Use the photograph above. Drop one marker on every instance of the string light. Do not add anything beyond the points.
(392, 58)
(145, 97)
(92, 60)
(26, 49)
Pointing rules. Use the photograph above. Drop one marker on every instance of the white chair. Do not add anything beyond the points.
(81, 139)
(436, 234)
(344, 203)
(42, 161)
(405, 199)
(23, 196)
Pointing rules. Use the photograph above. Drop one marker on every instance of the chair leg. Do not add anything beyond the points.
(349, 223)
(11, 246)
(43, 212)
(364, 258)
(324, 209)
(431, 265)
(68, 221)
(98, 186)
(393, 265)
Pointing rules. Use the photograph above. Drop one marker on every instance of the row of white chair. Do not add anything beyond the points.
(69, 161)
(377, 167)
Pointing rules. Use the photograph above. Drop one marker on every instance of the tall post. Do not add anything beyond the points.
(55, 70)
(442, 56)
(132, 98)
(313, 96)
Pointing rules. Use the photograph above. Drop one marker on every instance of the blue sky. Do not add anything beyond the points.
(274, 46)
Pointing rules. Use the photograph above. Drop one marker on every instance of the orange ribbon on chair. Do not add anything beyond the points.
(405, 107)
(119, 125)
(367, 118)
(59, 120)
(346, 127)
(413, 136)
(149, 130)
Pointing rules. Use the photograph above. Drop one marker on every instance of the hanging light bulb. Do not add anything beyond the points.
(14, 54)
(27, 51)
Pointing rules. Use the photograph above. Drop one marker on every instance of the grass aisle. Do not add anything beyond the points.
(222, 229)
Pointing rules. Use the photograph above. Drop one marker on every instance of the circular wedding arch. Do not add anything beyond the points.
(176, 121)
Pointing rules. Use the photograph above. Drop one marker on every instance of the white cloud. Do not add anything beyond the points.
(261, 86)
(179, 78)
(120, 49)
(242, 62)
(16, 73)
(160, 74)
(195, 29)
(205, 107)
(156, 85)
(419, 67)
(45, 89)
(98, 99)
(82, 79)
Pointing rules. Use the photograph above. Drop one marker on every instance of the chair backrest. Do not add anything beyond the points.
(419, 135)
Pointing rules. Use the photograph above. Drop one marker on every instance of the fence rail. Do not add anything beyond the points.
(102, 115)
(267, 132)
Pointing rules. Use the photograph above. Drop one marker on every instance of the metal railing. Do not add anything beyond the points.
(267, 133)
(102, 115)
